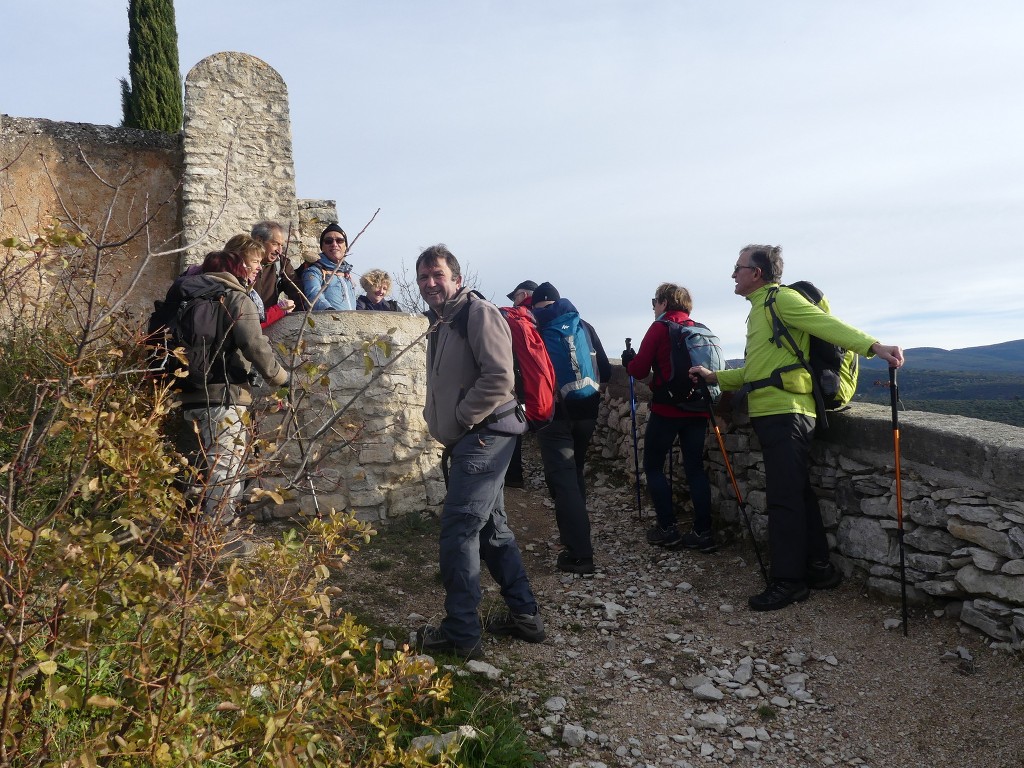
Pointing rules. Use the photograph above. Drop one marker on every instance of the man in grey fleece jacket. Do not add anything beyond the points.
(471, 410)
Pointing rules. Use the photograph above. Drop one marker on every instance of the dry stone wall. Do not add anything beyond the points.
(963, 501)
(377, 457)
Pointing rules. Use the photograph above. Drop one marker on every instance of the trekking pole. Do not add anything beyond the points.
(894, 397)
(636, 449)
(728, 468)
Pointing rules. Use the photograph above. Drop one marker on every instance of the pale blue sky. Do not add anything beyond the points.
(610, 146)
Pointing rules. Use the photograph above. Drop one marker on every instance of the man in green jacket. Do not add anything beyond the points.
(784, 419)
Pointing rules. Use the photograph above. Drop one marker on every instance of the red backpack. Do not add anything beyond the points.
(535, 376)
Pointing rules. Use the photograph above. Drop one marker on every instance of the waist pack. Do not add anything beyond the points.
(690, 344)
(833, 369)
(572, 356)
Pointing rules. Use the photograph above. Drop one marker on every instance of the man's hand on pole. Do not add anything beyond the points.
(699, 372)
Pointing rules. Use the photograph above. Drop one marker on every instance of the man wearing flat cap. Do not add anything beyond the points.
(327, 282)
(521, 296)
(522, 293)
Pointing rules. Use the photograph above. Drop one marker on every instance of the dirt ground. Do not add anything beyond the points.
(830, 684)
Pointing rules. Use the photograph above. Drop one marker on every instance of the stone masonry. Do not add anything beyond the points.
(238, 151)
(365, 373)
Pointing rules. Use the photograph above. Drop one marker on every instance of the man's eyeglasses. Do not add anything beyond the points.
(738, 267)
(334, 241)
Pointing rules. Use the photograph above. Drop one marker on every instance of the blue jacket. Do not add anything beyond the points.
(340, 292)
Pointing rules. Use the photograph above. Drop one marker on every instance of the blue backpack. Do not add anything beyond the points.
(572, 355)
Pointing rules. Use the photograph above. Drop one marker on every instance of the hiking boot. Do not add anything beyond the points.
(233, 545)
(514, 482)
(778, 595)
(525, 626)
(664, 537)
(433, 640)
(823, 576)
(570, 564)
(702, 542)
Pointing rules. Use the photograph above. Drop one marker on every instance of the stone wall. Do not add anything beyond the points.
(231, 167)
(238, 151)
(109, 182)
(963, 501)
(377, 458)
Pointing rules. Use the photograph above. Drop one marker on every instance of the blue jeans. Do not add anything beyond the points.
(661, 433)
(563, 449)
(474, 528)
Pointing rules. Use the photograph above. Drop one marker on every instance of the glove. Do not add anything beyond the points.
(627, 356)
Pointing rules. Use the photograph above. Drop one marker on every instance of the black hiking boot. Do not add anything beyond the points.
(433, 640)
(823, 576)
(525, 626)
(702, 542)
(664, 537)
(778, 595)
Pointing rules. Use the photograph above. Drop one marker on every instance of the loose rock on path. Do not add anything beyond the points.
(656, 660)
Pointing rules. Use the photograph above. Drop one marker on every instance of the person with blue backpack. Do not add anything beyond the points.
(783, 414)
(581, 366)
(672, 345)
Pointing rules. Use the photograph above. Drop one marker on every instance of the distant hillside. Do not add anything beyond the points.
(982, 382)
(1007, 357)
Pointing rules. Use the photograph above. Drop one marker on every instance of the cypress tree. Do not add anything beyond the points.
(153, 99)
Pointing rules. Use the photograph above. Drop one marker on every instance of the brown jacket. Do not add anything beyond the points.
(251, 350)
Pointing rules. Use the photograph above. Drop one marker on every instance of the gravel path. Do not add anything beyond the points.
(656, 659)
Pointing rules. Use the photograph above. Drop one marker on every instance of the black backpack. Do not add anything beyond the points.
(691, 344)
(191, 318)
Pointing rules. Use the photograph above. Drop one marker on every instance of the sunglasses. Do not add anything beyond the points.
(334, 241)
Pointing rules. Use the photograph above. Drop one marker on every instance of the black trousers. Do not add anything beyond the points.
(796, 533)
(563, 449)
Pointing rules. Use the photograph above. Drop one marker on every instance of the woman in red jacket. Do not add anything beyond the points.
(672, 303)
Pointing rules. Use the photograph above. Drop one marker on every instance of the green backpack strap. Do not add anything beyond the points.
(780, 332)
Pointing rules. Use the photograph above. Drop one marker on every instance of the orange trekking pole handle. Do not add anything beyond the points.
(894, 397)
(732, 477)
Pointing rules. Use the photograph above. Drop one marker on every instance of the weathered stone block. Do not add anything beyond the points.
(927, 563)
(926, 512)
(947, 588)
(998, 542)
(987, 624)
(863, 538)
(879, 506)
(977, 582)
(985, 560)
(1013, 568)
(973, 514)
(928, 539)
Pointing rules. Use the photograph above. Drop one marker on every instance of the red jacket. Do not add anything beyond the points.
(654, 355)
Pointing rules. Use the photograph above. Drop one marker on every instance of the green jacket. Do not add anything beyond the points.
(762, 356)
